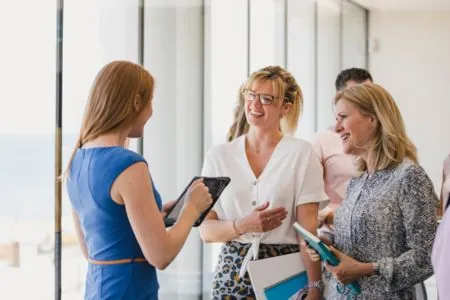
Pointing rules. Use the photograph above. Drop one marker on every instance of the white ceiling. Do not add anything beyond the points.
(405, 5)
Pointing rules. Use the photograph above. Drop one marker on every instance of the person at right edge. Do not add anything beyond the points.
(385, 227)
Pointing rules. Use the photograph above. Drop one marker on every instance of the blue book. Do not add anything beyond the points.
(325, 253)
(288, 287)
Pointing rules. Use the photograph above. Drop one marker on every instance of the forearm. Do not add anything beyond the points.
(218, 231)
(307, 218)
(177, 236)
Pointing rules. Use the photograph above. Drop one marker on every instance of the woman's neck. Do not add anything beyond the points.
(108, 140)
(367, 157)
(259, 139)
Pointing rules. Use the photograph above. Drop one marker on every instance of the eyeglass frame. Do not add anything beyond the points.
(245, 93)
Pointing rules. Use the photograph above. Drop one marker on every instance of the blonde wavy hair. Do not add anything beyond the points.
(390, 144)
(285, 87)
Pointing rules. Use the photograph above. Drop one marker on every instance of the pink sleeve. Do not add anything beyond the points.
(318, 147)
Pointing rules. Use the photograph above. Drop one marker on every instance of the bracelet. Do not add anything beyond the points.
(316, 285)
(234, 227)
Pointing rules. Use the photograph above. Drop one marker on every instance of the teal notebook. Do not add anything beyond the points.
(287, 288)
(325, 253)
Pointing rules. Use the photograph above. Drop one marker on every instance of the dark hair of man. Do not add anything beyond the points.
(353, 74)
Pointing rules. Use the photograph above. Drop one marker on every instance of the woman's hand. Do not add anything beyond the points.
(326, 217)
(166, 207)
(261, 219)
(198, 197)
(313, 255)
(348, 269)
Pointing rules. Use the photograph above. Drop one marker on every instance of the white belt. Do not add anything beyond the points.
(251, 254)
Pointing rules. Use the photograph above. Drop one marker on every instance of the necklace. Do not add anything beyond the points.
(261, 150)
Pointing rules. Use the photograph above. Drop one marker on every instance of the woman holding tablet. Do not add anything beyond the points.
(276, 180)
(116, 207)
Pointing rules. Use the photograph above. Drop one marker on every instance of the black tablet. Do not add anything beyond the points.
(216, 186)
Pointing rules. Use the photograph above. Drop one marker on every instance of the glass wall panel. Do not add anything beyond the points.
(267, 33)
(27, 109)
(301, 58)
(226, 68)
(173, 139)
(328, 58)
(354, 36)
(95, 33)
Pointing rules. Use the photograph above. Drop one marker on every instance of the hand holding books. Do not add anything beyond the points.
(344, 268)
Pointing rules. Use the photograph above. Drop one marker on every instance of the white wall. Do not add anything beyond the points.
(413, 63)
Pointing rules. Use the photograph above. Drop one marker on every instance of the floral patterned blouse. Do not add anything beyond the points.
(388, 217)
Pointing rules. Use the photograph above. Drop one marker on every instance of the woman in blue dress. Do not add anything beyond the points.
(116, 207)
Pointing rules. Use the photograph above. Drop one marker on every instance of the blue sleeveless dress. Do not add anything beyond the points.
(107, 231)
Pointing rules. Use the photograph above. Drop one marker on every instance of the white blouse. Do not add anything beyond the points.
(293, 176)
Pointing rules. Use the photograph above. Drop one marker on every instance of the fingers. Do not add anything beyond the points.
(170, 203)
(313, 255)
(272, 220)
(329, 267)
(338, 273)
(197, 182)
(272, 224)
(273, 211)
(262, 206)
(336, 252)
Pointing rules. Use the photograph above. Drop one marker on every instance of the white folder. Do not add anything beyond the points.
(269, 271)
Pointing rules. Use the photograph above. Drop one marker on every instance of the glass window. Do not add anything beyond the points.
(328, 59)
(223, 77)
(27, 110)
(354, 36)
(95, 33)
(173, 138)
(267, 34)
(301, 58)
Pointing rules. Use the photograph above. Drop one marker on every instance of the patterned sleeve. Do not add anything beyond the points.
(417, 203)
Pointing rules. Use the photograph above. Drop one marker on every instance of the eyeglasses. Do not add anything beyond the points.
(263, 98)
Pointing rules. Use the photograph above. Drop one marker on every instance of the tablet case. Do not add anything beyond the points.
(216, 185)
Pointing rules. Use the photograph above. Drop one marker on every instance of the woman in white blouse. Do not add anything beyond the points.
(275, 180)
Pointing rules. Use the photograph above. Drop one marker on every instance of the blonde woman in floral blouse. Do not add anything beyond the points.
(386, 225)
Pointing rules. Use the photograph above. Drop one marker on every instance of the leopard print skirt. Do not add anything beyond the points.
(227, 285)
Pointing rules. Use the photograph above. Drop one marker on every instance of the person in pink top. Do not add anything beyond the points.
(445, 189)
(441, 248)
(338, 167)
